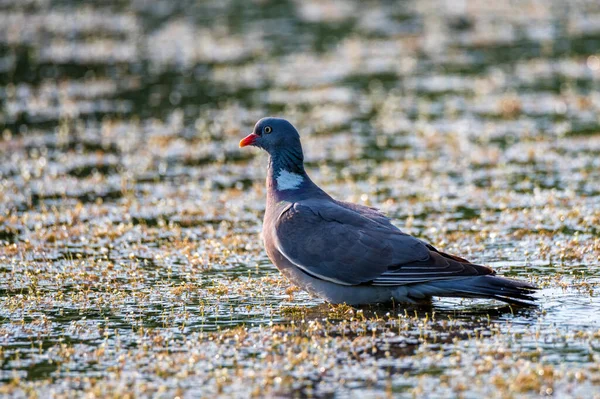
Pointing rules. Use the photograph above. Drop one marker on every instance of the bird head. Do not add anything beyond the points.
(273, 135)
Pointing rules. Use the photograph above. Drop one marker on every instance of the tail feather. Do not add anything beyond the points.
(490, 286)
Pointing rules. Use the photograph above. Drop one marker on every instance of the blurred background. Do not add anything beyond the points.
(116, 74)
(125, 202)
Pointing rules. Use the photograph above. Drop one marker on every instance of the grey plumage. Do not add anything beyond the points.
(351, 253)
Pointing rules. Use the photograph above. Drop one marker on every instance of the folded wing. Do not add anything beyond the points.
(354, 245)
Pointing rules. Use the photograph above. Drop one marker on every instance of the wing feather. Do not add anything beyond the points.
(353, 245)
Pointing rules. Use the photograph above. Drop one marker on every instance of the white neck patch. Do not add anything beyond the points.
(288, 180)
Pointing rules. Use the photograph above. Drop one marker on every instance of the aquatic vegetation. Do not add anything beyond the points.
(130, 252)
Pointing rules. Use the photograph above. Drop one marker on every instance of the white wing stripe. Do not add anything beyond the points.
(309, 272)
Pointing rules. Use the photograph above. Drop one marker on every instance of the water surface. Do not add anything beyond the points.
(131, 259)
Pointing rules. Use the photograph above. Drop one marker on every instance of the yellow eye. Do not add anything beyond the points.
(267, 129)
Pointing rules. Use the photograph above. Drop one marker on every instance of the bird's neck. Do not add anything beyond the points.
(286, 177)
(290, 161)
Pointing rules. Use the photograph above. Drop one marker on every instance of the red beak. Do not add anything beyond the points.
(248, 140)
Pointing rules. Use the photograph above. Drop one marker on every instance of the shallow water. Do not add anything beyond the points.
(131, 260)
